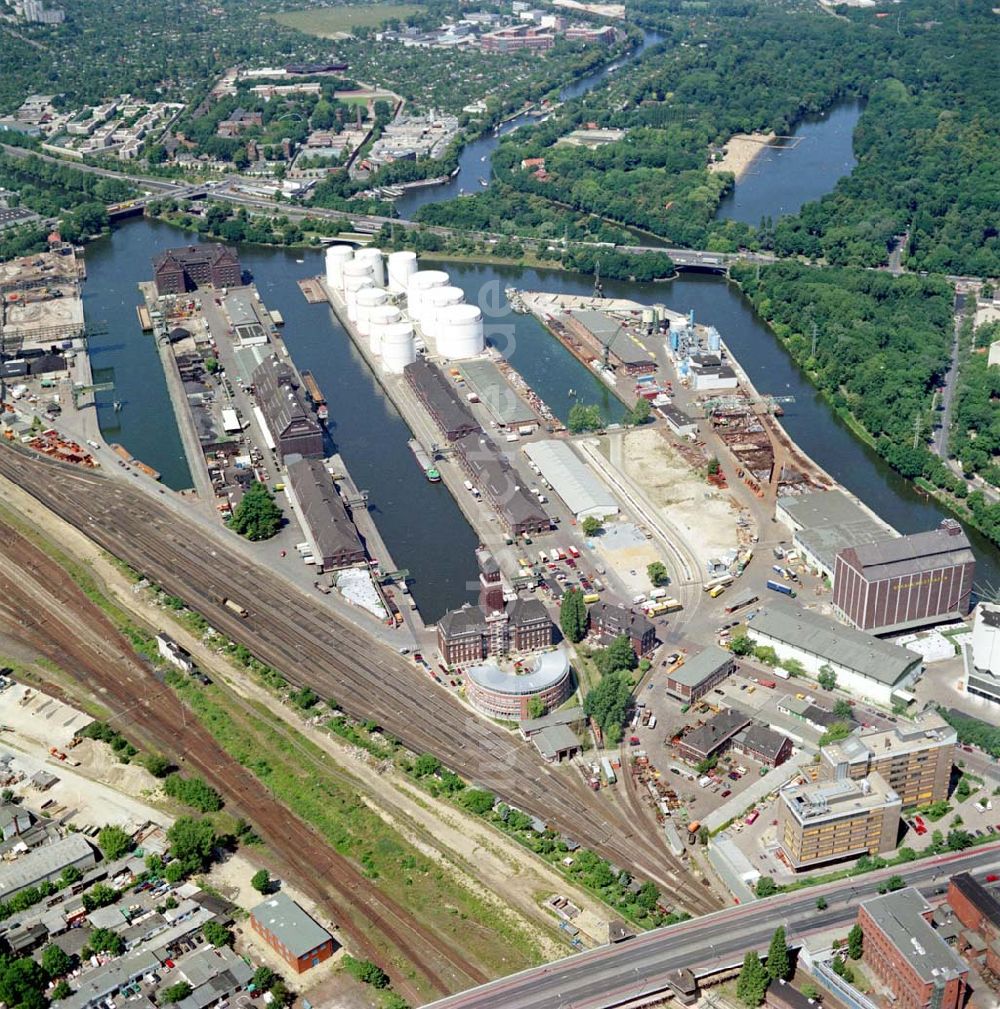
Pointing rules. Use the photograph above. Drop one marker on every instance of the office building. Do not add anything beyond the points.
(829, 821)
(178, 270)
(291, 932)
(326, 524)
(506, 695)
(864, 666)
(908, 958)
(908, 581)
(915, 758)
(977, 909)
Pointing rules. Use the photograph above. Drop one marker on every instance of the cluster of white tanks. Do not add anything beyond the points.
(373, 290)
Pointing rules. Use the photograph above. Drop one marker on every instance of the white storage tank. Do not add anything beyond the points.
(336, 257)
(367, 299)
(460, 332)
(373, 257)
(379, 318)
(433, 301)
(354, 269)
(402, 266)
(398, 348)
(352, 285)
(421, 282)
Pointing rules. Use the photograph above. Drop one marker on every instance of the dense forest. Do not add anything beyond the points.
(928, 143)
(881, 347)
(975, 434)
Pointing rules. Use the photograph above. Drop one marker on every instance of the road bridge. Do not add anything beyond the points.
(635, 971)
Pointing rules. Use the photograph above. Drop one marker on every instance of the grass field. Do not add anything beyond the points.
(330, 22)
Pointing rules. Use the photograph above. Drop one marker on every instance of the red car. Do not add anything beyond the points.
(992, 877)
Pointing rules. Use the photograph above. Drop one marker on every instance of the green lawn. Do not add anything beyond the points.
(329, 22)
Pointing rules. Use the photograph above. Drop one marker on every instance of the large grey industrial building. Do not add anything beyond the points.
(440, 400)
(584, 494)
(327, 526)
(291, 424)
(45, 863)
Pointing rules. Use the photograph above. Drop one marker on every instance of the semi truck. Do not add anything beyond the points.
(785, 590)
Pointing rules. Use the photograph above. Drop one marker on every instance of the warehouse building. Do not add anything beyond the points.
(909, 581)
(865, 666)
(982, 656)
(499, 694)
(291, 932)
(829, 821)
(497, 394)
(323, 516)
(679, 422)
(441, 400)
(575, 482)
(178, 270)
(700, 674)
(498, 482)
(908, 957)
(289, 424)
(608, 621)
(825, 522)
(915, 758)
(44, 864)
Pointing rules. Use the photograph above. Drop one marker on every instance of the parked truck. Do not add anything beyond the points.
(608, 771)
(785, 590)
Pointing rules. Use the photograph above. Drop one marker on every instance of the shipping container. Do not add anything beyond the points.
(231, 604)
(608, 772)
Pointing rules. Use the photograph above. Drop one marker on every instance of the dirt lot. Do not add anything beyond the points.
(707, 516)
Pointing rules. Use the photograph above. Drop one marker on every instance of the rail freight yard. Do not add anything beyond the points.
(289, 630)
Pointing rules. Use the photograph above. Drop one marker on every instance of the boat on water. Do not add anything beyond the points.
(483, 182)
(424, 461)
(316, 396)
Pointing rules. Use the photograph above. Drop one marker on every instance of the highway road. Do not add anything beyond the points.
(311, 646)
(617, 975)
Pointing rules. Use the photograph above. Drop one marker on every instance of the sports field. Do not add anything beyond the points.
(332, 22)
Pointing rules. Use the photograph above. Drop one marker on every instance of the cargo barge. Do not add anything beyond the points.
(424, 461)
(317, 397)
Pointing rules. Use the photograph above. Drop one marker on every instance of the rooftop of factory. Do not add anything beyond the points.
(828, 521)
(840, 645)
(321, 508)
(574, 481)
(815, 801)
(983, 899)
(496, 393)
(608, 331)
(699, 667)
(38, 864)
(450, 412)
(901, 556)
(900, 916)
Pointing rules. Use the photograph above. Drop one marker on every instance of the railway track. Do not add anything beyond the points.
(79, 638)
(311, 646)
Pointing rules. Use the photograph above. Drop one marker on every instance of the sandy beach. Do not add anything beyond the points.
(741, 149)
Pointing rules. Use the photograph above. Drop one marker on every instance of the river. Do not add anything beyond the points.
(475, 160)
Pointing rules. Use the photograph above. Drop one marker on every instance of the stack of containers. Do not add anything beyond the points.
(379, 318)
(336, 257)
(459, 332)
(402, 266)
(373, 258)
(398, 347)
(419, 284)
(367, 299)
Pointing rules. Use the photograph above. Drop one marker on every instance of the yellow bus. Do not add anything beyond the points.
(717, 591)
(591, 597)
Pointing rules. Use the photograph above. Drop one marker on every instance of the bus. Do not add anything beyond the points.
(742, 603)
(722, 580)
(717, 591)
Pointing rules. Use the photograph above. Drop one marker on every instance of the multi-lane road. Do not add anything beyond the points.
(619, 975)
